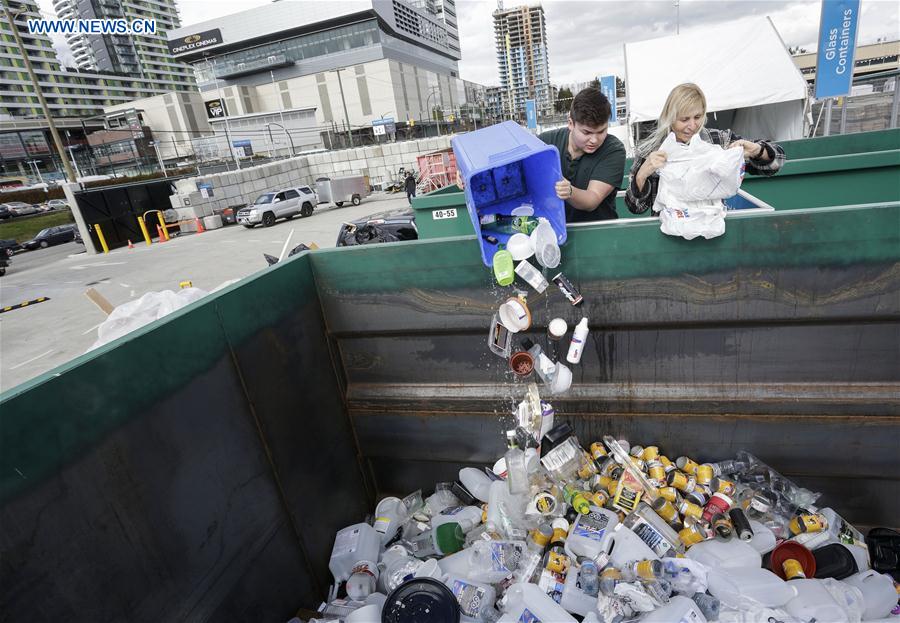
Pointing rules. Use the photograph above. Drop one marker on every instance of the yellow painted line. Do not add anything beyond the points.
(25, 304)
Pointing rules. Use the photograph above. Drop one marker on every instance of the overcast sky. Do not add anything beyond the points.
(586, 37)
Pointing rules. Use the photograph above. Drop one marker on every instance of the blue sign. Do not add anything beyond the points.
(531, 114)
(242, 143)
(837, 47)
(608, 88)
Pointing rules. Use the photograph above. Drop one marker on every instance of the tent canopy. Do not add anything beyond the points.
(744, 66)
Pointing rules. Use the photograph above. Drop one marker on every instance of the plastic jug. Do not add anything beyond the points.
(352, 544)
(878, 593)
(680, 609)
(625, 546)
(574, 599)
(477, 482)
(725, 554)
(763, 539)
(813, 601)
(370, 613)
(527, 602)
(466, 516)
(589, 534)
(362, 580)
(476, 599)
(485, 561)
(761, 585)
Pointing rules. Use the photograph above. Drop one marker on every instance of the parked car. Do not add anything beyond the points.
(57, 204)
(8, 247)
(4, 211)
(4, 262)
(52, 235)
(270, 206)
(20, 208)
(391, 226)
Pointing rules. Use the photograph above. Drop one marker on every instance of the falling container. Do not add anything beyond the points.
(504, 167)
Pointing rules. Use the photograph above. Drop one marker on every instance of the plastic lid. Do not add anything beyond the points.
(449, 537)
(519, 246)
(421, 599)
(792, 549)
(558, 327)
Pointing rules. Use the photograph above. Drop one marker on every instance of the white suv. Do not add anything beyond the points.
(271, 206)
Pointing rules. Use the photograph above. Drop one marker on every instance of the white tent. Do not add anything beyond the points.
(745, 71)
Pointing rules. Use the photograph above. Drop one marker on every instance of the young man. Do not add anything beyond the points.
(592, 161)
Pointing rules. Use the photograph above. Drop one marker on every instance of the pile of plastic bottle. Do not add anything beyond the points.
(612, 532)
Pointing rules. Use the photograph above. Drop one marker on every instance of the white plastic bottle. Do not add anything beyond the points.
(477, 482)
(589, 535)
(476, 599)
(579, 337)
(680, 609)
(466, 516)
(527, 602)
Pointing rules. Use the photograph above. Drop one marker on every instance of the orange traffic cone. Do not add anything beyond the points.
(200, 229)
(130, 246)
(160, 234)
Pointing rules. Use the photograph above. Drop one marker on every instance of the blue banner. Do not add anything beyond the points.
(837, 47)
(530, 114)
(608, 88)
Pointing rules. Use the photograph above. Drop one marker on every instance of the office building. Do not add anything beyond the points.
(520, 36)
(344, 62)
(869, 59)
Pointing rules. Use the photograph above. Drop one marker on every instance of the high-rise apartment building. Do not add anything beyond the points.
(144, 55)
(520, 34)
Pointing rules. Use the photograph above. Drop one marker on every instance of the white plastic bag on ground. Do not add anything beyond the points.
(692, 184)
(134, 314)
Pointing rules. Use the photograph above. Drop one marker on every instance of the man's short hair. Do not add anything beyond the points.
(590, 107)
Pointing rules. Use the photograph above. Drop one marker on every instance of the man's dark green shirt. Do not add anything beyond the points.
(607, 164)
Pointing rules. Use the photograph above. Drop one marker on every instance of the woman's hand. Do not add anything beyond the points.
(752, 150)
(655, 161)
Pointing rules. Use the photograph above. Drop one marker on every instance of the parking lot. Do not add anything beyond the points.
(41, 336)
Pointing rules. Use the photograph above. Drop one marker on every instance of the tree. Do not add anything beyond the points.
(563, 100)
(595, 83)
(795, 50)
(620, 87)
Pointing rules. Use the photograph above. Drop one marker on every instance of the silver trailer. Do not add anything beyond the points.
(340, 190)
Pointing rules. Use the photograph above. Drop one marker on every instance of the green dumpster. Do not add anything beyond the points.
(198, 468)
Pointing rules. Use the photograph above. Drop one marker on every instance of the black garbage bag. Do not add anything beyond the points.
(366, 234)
(271, 259)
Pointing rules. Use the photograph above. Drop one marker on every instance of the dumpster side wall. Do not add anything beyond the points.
(781, 337)
(194, 470)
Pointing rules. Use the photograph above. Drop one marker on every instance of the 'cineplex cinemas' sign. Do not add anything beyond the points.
(195, 42)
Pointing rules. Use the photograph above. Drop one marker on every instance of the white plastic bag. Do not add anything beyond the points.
(692, 184)
(134, 314)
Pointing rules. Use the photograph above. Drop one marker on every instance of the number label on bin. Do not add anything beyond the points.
(442, 214)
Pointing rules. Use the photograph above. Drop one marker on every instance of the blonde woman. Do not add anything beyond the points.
(684, 113)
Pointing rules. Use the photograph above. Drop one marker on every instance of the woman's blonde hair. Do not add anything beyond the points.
(683, 99)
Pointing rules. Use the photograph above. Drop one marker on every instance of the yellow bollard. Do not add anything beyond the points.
(144, 229)
(102, 239)
(165, 229)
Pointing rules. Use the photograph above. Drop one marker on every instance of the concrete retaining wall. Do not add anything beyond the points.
(238, 188)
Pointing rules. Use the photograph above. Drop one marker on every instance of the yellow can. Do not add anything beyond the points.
(720, 485)
(557, 563)
(610, 573)
(651, 453)
(667, 464)
(704, 473)
(689, 509)
(600, 498)
(808, 523)
(665, 509)
(793, 570)
(647, 569)
(681, 481)
(669, 493)
(656, 471)
(636, 451)
(598, 451)
(691, 536)
(600, 483)
(541, 535)
(587, 469)
(686, 465)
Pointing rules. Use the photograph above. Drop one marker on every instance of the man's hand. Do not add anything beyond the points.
(751, 150)
(564, 189)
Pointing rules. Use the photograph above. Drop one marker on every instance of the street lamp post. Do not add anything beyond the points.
(159, 158)
(434, 90)
(237, 161)
(344, 102)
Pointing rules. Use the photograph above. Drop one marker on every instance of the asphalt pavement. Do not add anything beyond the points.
(37, 338)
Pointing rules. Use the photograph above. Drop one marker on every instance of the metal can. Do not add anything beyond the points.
(681, 481)
(557, 563)
(665, 509)
(690, 535)
(651, 453)
(656, 471)
(793, 570)
(704, 473)
(668, 493)
(669, 465)
(722, 526)
(720, 485)
(689, 509)
(599, 451)
(600, 498)
(808, 523)
(686, 465)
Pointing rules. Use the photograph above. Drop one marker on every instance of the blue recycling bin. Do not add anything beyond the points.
(503, 167)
